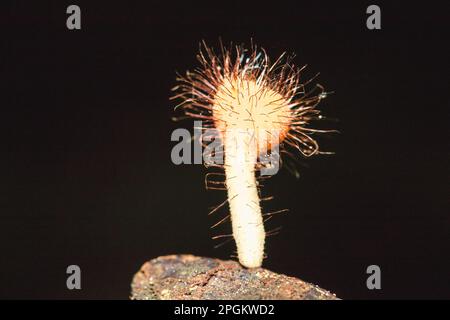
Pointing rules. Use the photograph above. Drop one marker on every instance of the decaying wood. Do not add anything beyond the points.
(187, 277)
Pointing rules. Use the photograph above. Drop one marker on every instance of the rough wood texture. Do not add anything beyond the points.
(186, 277)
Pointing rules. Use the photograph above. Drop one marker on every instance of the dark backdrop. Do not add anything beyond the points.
(86, 176)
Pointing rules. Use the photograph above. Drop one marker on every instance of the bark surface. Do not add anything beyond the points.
(187, 277)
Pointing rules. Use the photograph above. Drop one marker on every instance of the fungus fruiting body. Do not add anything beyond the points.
(256, 107)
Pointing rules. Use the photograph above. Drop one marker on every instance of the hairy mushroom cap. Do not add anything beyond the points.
(242, 89)
(245, 105)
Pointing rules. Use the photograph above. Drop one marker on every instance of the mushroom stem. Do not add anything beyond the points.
(247, 223)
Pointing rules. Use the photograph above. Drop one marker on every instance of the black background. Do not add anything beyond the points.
(86, 175)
